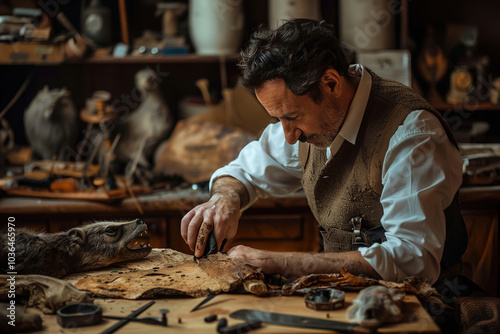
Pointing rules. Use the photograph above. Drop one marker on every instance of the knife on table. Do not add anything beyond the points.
(300, 321)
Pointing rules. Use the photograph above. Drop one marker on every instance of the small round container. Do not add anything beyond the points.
(325, 300)
(79, 315)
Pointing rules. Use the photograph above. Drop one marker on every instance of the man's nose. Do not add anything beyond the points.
(291, 134)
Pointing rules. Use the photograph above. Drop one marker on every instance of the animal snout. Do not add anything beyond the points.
(139, 221)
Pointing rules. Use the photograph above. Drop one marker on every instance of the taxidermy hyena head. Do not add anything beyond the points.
(80, 249)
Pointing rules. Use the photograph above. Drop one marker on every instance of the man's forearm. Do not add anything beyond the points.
(230, 187)
(295, 264)
(299, 264)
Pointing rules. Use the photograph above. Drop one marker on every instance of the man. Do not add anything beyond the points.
(378, 164)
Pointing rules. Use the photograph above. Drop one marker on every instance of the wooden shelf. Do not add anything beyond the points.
(189, 58)
(483, 106)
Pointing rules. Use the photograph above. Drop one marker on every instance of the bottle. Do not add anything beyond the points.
(96, 24)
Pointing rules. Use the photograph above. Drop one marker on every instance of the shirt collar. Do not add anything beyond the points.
(352, 123)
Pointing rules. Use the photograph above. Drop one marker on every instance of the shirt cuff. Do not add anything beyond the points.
(383, 263)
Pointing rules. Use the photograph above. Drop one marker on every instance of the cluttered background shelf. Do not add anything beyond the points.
(190, 58)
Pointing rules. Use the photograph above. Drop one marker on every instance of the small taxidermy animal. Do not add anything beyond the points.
(51, 123)
(375, 306)
(80, 249)
(151, 121)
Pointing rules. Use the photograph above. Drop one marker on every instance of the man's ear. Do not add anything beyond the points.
(331, 81)
(77, 238)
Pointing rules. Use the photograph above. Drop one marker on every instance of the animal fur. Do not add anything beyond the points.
(51, 123)
(375, 306)
(80, 249)
(151, 120)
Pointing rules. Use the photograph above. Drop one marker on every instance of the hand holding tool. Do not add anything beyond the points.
(211, 246)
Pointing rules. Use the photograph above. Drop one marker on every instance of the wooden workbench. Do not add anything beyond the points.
(180, 320)
(281, 224)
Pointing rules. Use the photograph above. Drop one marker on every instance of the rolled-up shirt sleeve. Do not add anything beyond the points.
(421, 173)
(267, 167)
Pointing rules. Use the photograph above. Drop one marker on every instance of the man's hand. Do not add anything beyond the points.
(255, 257)
(220, 214)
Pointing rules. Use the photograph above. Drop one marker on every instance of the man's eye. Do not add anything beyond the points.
(287, 119)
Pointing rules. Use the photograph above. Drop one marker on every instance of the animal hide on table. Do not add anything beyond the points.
(166, 272)
(43, 292)
(349, 282)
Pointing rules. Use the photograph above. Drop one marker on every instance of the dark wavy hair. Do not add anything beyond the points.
(299, 52)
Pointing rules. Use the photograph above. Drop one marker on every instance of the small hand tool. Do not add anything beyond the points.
(245, 327)
(203, 302)
(299, 321)
(146, 320)
(211, 246)
(325, 299)
(210, 318)
(79, 315)
(124, 321)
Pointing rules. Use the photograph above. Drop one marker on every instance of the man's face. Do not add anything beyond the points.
(302, 119)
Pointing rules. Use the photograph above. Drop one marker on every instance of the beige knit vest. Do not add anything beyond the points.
(350, 183)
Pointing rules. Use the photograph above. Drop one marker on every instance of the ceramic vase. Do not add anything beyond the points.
(280, 10)
(216, 26)
(96, 23)
(368, 24)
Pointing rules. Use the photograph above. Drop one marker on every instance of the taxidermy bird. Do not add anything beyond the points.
(51, 124)
(151, 121)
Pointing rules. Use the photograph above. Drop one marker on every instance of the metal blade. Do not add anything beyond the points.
(298, 321)
(203, 302)
(124, 321)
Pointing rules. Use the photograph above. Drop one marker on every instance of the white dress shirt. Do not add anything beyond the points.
(421, 172)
